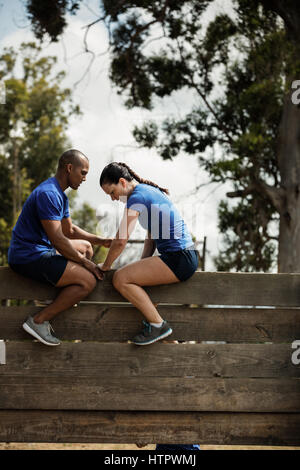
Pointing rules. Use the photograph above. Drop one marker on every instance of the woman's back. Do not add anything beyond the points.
(160, 217)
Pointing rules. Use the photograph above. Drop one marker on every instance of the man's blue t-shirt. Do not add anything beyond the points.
(160, 217)
(29, 239)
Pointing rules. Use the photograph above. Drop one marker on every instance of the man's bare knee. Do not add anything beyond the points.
(89, 283)
(88, 249)
(89, 252)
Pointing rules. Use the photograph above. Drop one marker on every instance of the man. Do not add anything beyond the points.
(47, 246)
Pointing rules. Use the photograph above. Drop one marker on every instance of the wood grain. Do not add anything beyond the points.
(203, 288)
(87, 360)
(91, 322)
(102, 389)
(149, 394)
(282, 429)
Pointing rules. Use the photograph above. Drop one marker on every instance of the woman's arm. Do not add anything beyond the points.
(118, 244)
(149, 246)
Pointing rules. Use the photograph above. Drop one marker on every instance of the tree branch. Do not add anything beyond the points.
(275, 195)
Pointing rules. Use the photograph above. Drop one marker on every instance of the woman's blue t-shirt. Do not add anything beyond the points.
(29, 239)
(160, 217)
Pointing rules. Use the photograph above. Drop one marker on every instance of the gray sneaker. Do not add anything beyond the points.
(42, 332)
(150, 334)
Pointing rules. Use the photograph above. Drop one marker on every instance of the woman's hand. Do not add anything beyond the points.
(93, 268)
(102, 267)
(106, 242)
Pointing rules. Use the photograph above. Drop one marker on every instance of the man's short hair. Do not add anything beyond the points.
(71, 156)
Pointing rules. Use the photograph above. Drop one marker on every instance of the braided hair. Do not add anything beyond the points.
(112, 173)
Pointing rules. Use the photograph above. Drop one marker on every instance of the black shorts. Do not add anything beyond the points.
(183, 263)
(48, 268)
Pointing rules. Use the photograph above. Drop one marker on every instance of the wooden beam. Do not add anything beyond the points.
(282, 429)
(149, 394)
(121, 361)
(102, 322)
(203, 288)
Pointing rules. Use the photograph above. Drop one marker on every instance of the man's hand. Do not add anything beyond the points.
(93, 268)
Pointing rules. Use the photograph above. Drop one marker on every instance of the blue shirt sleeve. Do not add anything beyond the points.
(136, 202)
(50, 206)
(66, 211)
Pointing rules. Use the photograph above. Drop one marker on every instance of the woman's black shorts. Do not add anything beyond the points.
(183, 263)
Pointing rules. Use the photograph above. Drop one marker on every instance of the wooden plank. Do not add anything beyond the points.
(92, 322)
(86, 360)
(150, 427)
(149, 394)
(203, 288)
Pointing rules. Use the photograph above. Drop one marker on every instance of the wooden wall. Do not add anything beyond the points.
(97, 387)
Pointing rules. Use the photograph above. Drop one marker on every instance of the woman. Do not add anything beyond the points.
(167, 232)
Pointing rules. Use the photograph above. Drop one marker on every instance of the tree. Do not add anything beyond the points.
(243, 125)
(33, 123)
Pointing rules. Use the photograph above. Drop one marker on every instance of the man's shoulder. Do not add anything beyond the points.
(47, 185)
(50, 187)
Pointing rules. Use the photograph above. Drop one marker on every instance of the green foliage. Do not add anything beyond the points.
(48, 16)
(247, 245)
(33, 124)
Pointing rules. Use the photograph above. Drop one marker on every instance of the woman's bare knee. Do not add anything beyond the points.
(118, 280)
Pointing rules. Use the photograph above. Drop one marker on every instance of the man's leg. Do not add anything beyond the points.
(84, 247)
(77, 283)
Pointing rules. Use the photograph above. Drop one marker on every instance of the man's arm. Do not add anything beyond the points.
(149, 246)
(76, 233)
(53, 229)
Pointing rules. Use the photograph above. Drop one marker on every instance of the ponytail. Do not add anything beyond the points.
(114, 171)
(142, 180)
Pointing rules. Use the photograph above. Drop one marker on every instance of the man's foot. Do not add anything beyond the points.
(41, 331)
(150, 334)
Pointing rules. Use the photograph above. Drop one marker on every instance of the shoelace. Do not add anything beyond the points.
(50, 328)
(147, 329)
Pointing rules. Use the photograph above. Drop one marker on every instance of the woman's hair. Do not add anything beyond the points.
(112, 173)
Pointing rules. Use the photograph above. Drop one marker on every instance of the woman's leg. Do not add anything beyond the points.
(150, 271)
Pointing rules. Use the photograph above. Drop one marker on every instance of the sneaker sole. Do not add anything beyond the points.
(36, 335)
(164, 335)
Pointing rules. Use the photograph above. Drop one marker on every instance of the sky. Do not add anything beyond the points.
(104, 131)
